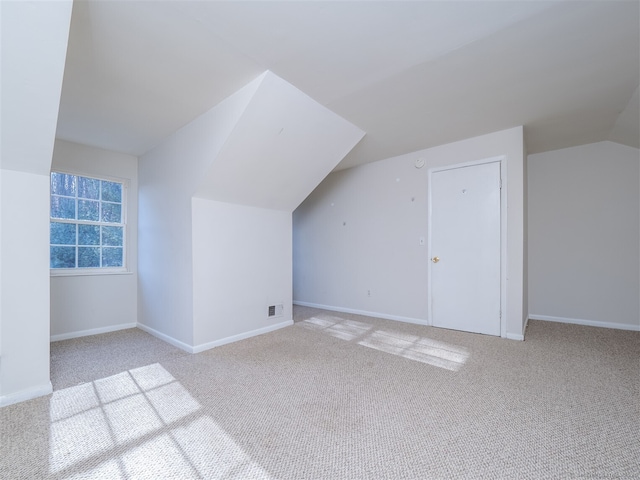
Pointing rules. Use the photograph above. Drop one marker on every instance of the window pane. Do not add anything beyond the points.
(62, 207)
(112, 236)
(63, 257)
(111, 257)
(88, 188)
(111, 191)
(88, 210)
(62, 184)
(111, 212)
(88, 257)
(62, 233)
(86, 228)
(88, 235)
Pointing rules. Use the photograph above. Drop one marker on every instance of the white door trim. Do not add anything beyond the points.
(503, 234)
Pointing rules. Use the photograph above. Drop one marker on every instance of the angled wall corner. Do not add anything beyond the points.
(626, 130)
(215, 205)
(281, 148)
(167, 178)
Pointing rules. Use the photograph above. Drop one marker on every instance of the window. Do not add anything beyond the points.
(87, 227)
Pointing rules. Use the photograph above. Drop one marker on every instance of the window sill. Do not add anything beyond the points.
(87, 272)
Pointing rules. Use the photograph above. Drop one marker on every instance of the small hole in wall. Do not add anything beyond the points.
(413, 199)
(344, 224)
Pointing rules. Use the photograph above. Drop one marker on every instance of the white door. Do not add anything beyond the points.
(464, 285)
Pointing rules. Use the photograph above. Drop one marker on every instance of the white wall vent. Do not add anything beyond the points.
(276, 310)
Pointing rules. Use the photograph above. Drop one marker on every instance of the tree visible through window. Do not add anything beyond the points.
(87, 227)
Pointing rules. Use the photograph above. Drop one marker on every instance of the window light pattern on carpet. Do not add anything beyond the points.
(412, 347)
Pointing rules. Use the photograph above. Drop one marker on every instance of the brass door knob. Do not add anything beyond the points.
(435, 259)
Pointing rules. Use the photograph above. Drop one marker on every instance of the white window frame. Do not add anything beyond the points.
(79, 271)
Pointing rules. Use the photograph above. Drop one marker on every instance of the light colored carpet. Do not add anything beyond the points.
(336, 396)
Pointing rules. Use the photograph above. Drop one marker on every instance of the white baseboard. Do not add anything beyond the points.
(519, 336)
(24, 395)
(216, 343)
(241, 336)
(417, 321)
(166, 338)
(515, 336)
(93, 331)
(588, 323)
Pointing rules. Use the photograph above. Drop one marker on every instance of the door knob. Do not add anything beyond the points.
(435, 259)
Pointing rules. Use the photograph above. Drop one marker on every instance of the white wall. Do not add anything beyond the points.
(243, 266)
(281, 148)
(359, 231)
(34, 46)
(584, 240)
(34, 43)
(264, 148)
(90, 304)
(168, 176)
(24, 352)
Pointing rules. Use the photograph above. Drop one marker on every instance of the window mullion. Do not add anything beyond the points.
(100, 249)
(100, 218)
(63, 220)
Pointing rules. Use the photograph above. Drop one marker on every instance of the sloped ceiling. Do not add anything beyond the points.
(412, 75)
(281, 147)
(33, 42)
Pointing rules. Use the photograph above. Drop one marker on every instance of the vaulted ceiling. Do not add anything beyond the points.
(412, 75)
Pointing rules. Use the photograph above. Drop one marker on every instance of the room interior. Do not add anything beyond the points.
(336, 395)
(271, 153)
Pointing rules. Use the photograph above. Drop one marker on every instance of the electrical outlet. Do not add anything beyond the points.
(368, 293)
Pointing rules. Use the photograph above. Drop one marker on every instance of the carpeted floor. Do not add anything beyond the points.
(336, 396)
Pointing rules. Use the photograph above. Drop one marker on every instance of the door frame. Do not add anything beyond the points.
(502, 159)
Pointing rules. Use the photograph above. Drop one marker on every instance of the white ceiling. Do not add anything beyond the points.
(411, 74)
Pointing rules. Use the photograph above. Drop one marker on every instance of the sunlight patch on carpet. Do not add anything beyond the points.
(214, 454)
(338, 327)
(412, 347)
(141, 423)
